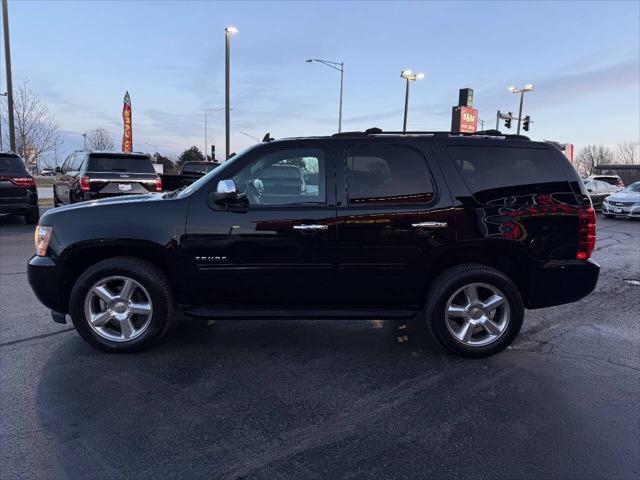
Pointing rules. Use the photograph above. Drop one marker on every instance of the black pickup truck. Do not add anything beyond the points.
(467, 231)
(189, 173)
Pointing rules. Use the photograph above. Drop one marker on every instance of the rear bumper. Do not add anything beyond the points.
(18, 206)
(562, 281)
(46, 282)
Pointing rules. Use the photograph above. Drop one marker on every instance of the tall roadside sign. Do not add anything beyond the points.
(464, 118)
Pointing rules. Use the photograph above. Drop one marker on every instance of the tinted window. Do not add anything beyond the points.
(284, 177)
(77, 161)
(120, 163)
(67, 163)
(387, 175)
(11, 164)
(199, 167)
(610, 180)
(487, 169)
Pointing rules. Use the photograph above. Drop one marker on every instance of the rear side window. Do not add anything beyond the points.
(493, 171)
(379, 175)
(11, 164)
(120, 163)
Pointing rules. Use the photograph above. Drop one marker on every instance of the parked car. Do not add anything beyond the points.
(598, 191)
(625, 203)
(93, 175)
(47, 172)
(467, 230)
(614, 181)
(189, 173)
(18, 192)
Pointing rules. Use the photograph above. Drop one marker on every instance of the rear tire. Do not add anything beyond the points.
(33, 216)
(130, 301)
(474, 310)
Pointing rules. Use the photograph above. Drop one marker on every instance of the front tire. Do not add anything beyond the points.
(474, 310)
(122, 304)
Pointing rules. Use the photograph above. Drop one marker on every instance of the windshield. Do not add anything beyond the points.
(633, 188)
(223, 166)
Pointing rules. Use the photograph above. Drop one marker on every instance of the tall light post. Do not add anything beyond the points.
(521, 91)
(339, 67)
(7, 57)
(1, 95)
(206, 138)
(409, 77)
(227, 60)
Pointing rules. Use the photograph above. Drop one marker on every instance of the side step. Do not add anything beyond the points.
(301, 313)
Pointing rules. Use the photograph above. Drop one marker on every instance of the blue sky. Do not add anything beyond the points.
(80, 57)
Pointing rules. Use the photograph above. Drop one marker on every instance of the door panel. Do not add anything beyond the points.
(389, 234)
(265, 254)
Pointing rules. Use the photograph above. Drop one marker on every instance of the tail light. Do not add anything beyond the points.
(23, 181)
(586, 233)
(158, 184)
(84, 184)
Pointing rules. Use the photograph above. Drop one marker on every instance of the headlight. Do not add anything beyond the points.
(41, 239)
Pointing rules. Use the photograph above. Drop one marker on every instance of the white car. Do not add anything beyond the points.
(615, 182)
(626, 202)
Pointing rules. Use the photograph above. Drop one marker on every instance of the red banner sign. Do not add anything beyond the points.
(464, 120)
(127, 136)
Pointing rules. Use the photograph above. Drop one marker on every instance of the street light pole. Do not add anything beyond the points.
(7, 57)
(206, 137)
(339, 67)
(227, 60)
(1, 147)
(521, 91)
(408, 76)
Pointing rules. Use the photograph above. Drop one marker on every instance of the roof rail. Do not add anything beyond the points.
(435, 133)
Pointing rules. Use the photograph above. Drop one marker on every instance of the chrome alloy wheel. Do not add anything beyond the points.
(118, 308)
(477, 314)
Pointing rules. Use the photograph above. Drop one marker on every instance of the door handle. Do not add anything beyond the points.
(310, 227)
(430, 225)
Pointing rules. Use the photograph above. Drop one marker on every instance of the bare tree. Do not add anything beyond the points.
(100, 139)
(37, 130)
(592, 155)
(627, 153)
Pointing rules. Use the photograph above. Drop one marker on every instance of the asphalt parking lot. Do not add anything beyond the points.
(326, 399)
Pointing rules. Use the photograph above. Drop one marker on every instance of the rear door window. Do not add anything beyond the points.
(11, 164)
(495, 171)
(384, 175)
(120, 163)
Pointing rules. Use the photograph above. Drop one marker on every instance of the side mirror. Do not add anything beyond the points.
(58, 170)
(225, 193)
(590, 190)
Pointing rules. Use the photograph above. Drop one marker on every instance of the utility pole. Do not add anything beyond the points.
(7, 57)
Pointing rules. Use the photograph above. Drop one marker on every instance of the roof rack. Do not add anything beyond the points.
(482, 133)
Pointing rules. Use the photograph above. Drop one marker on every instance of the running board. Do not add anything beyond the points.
(301, 313)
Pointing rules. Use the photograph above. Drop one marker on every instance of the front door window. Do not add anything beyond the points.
(293, 176)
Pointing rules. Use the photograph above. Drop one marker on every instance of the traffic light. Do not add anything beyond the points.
(507, 122)
(525, 123)
(213, 153)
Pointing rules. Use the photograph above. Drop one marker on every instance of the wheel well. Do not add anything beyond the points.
(512, 264)
(82, 258)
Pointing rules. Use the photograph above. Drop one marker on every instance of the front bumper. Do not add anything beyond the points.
(45, 278)
(561, 281)
(626, 211)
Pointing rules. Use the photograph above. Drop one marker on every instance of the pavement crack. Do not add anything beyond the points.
(35, 337)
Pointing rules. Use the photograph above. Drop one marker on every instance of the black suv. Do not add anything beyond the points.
(18, 192)
(468, 230)
(91, 175)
